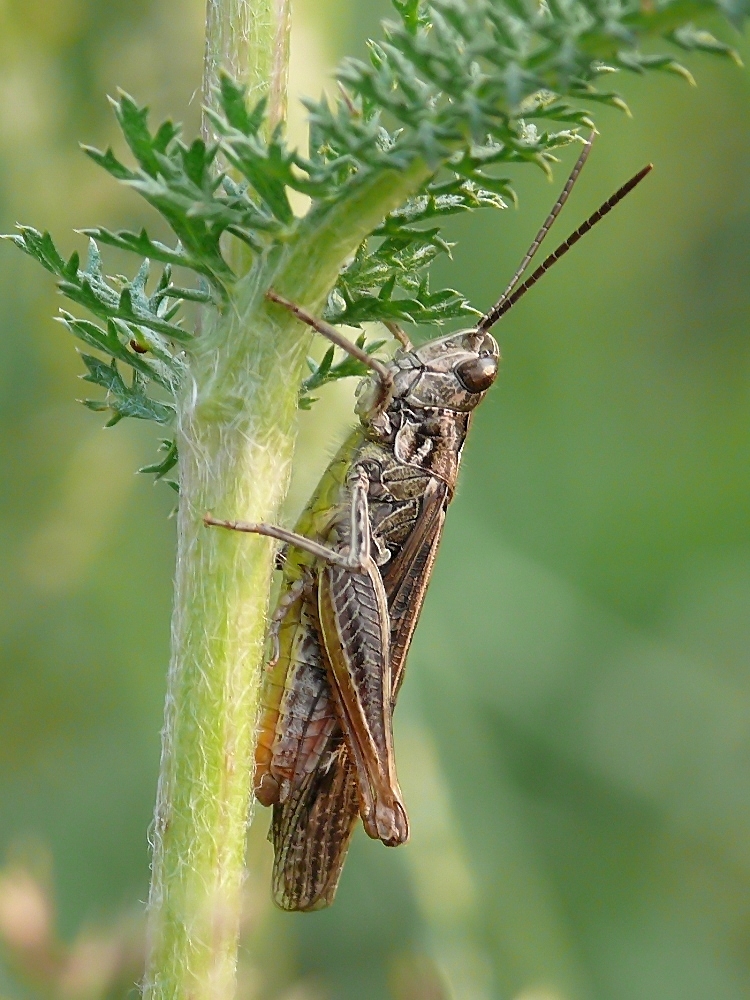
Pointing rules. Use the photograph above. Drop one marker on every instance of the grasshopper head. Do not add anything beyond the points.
(451, 373)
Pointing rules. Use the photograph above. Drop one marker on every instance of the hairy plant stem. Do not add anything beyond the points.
(249, 39)
(235, 440)
(235, 436)
(236, 428)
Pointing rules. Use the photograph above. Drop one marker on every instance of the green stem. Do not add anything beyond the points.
(327, 238)
(236, 425)
(235, 437)
(249, 39)
(236, 421)
(236, 428)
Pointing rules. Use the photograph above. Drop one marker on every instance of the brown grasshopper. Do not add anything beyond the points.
(356, 571)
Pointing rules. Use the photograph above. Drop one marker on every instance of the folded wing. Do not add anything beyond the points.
(311, 831)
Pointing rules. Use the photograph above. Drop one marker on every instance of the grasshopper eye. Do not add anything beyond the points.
(477, 374)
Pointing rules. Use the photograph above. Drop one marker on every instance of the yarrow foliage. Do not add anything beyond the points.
(464, 88)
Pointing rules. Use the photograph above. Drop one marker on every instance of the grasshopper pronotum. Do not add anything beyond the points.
(355, 577)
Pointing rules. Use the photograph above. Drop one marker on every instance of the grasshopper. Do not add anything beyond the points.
(355, 574)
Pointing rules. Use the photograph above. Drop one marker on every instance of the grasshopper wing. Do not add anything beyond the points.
(311, 831)
(306, 712)
(297, 713)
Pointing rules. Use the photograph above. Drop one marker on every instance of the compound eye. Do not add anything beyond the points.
(477, 374)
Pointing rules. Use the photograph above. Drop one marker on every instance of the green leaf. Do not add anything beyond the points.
(412, 14)
(109, 162)
(102, 301)
(134, 124)
(141, 244)
(233, 100)
(121, 399)
(166, 464)
(691, 38)
(41, 247)
(114, 342)
(326, 371)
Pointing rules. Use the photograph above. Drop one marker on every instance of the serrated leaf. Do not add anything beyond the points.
(134, 124)
(233, 99)
(142, 244)
(40, 246)
(122, 399)
(109, 162)
(161, 468)
(109, 343)
(327, 372)
(409, 11)
(99, 302)
(691, 38)
(639, 63)
(467, 87)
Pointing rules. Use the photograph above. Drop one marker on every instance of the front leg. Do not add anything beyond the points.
(384, 374)
(354, 554)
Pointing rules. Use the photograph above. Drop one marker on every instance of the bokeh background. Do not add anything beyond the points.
(574, 736)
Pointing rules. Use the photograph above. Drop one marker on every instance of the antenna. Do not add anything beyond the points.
(556, 208)
(508, 301)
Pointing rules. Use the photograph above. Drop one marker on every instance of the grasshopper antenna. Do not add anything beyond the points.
(506, 302)
(556, 209)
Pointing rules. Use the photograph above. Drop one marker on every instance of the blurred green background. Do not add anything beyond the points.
(574, 736)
